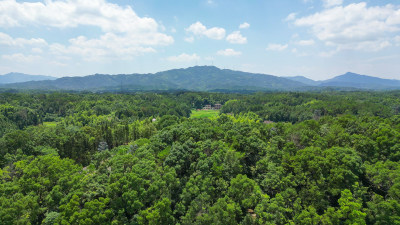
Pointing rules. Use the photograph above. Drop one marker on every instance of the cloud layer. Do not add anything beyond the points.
(198, 29)
(236, 38)
(125, 34)
(277, 47)
(183, 58)
(355, 26)
(229, 52)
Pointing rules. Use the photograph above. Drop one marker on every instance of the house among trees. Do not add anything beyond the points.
(207, 107)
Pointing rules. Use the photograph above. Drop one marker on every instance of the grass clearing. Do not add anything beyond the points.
(50, 124)
(204, 113)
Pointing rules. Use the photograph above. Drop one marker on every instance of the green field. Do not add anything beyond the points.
(50, 124)
(204, 113)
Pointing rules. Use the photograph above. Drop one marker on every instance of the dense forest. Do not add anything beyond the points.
(143, 158)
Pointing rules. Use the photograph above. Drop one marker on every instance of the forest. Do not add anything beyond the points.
(327, 157)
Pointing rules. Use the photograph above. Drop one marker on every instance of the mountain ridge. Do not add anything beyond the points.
(14, 77)
(198, 78)
(206, 78)
(350, 79)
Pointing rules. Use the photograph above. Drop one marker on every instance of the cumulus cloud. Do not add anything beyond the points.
(244, 25)
(291, 17)
(397, 40)
(72, 13)
(306, 42)
(37, 50)
(6, 39)
(107, 46)
(330, 3)
(21, 58)
(198, 29)
(125, 34)
(229, 52)
(236, 38)
(277, 47)
(184, 58)
(355, 26)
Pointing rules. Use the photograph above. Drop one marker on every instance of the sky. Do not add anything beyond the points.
(318, 39)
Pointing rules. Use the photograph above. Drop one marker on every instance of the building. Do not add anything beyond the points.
(217, 106)
(207, 107)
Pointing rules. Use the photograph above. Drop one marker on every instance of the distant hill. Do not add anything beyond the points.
(198, 78)
(304, 80)
(361, 81)
(20, 77)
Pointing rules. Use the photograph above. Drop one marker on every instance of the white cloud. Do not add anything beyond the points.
(236, 38)
(72, 13)
(198, 29)
(125, 34)
(189, 39)
(371, 46)
(37, 50)
(244, 25)
(184, 58)
(229, 52)
(355, 26)
(6, 39)
(328, 54)
(21, 58)
(108, 46)
(397, 40)
(330, 3)
(291, 17)
(276, 47)
(306, 42)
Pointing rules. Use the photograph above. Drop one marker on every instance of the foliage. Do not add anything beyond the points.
(319, 158)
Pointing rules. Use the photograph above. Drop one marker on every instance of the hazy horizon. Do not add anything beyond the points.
(277, 75)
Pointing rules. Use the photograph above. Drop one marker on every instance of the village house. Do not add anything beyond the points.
(217, 106)
(207, 107)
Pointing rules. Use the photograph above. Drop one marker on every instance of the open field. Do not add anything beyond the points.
(50, 124)
(204, 113)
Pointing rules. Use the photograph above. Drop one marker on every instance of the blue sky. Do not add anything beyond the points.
(318, 39)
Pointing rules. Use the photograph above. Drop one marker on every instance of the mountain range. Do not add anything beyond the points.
(10, 78)
(198, 78)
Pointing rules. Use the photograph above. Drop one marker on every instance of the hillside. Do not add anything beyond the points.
(304, 80)
(198, 78)
(361, 81)
(20, 77)
(201, 78)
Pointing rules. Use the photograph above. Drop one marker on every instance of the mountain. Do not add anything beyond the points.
(201, 78)
(20, 77)
(304, 80)
(198, 78)
(361, 81)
